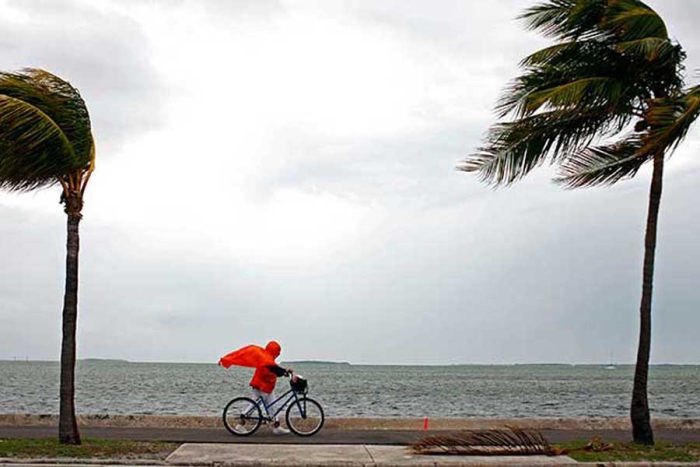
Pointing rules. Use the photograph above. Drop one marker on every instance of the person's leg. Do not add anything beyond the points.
(255, 396)
(269, 398)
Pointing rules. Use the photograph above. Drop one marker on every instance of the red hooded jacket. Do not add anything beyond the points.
(265, 377)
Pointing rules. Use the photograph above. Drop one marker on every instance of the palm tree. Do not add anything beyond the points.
(45, 140)
(605, 99)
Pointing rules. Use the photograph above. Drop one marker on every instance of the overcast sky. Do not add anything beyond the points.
(272, 169)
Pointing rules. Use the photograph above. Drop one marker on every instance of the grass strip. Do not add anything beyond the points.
(158, 450)
(631, 452)
(91, 448)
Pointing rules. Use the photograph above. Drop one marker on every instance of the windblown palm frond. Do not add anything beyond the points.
(669, 120)
(632, 20)
(585, 74)
(513, 149)
(605, 165)
(648, 48)
(511, 441)
(44, 130)
(33, 149)
(601, 20)
(586, 93)
(549, 54)
(565, 19)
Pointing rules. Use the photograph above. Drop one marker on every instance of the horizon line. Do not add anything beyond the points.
(331, 362)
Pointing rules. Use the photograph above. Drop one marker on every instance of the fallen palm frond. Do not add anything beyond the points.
(504, 442)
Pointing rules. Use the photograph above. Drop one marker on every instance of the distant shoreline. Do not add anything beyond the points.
(315, 362)
(323, 362)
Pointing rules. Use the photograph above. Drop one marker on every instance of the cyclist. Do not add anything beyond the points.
(263, 384)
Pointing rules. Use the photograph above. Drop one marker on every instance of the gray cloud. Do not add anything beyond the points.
(102, 53)
(414, 166)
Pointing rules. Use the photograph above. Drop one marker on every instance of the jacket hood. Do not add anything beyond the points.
(273, 348)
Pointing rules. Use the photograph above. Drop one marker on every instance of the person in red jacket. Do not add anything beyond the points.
(265, 379)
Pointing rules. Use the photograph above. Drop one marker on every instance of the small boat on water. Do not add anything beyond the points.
(611, 366)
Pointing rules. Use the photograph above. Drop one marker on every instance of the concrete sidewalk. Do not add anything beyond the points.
(328, 455)
(287, 455)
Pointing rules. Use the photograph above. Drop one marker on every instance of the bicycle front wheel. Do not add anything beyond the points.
(242, 416)
(305, 417)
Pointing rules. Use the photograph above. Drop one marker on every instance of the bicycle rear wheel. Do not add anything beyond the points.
(242, 416)
(305, 417)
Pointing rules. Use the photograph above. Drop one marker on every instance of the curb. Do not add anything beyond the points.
(416, 463)
(450, 461)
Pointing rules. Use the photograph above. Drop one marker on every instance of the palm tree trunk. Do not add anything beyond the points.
(639, 411)
(67, 425)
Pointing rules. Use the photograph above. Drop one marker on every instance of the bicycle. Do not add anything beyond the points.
(243, 416)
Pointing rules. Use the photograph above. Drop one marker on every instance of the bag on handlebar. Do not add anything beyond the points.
(299, 384)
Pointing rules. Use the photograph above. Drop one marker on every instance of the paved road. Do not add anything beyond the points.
(326, 436)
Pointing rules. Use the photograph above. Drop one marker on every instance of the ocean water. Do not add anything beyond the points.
(113, 387)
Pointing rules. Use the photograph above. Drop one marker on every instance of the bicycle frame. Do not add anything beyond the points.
(289, 395)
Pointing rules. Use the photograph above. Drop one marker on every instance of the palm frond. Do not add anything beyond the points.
(57, 99)
(564, 19)
(624, 20)
(648, 48)
(655, 62)
(603, 165)
(670, 119)
(33, 149)
(546, 55)
(632, 20)
(595, 92)
(511, 441)
(513, 149)
(588, 74)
